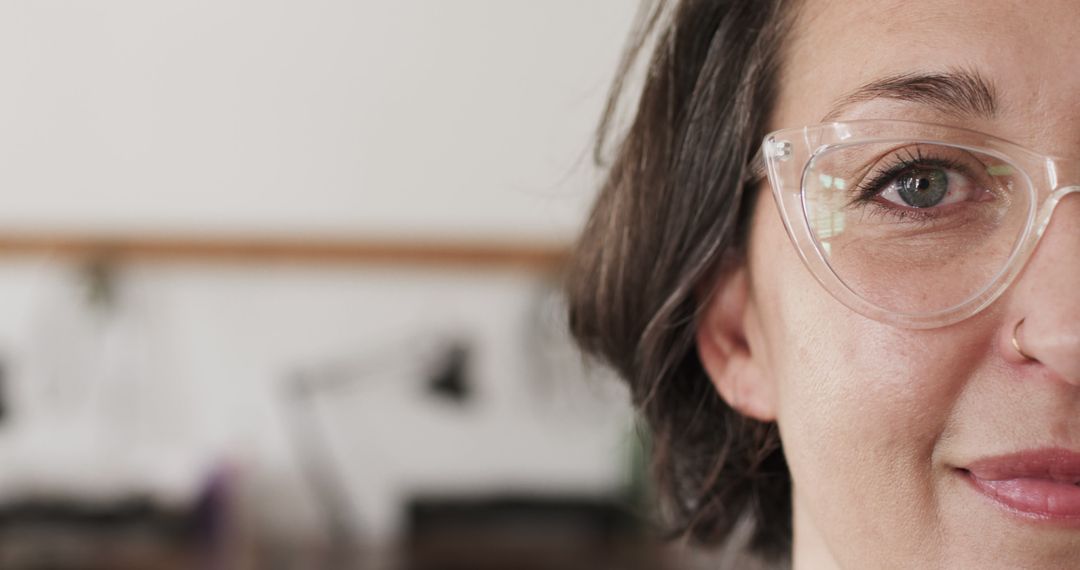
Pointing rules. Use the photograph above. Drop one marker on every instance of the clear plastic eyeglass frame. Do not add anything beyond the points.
(786, 157)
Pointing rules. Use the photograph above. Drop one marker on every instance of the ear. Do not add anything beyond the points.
(726, 353)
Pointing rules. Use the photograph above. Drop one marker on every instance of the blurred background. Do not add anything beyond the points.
(279, 288)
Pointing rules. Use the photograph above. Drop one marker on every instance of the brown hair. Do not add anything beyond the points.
(672, 214)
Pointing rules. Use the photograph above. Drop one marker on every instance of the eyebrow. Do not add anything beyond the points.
(956, 91)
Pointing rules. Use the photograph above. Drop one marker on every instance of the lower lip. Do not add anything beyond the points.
(1040, 499)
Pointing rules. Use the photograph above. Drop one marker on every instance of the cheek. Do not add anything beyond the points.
(836, 370)
(860, 405)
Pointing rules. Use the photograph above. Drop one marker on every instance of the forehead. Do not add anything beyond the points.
(1022, 48)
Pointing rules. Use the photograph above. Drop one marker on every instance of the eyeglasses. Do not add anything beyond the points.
(912, 224)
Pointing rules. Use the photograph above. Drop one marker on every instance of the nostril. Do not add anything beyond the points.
(1059, 353)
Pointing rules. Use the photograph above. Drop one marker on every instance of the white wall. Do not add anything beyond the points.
(398, 118)
(392, 117)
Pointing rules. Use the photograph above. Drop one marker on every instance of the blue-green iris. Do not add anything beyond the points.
(923, 188)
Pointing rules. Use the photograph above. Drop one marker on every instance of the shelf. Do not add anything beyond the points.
(449, 253)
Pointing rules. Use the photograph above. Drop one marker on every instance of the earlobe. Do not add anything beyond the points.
(723, 344)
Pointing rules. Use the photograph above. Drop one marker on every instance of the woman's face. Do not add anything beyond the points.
(881, 424)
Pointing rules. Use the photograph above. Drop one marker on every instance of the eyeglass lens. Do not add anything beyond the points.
(915, 227)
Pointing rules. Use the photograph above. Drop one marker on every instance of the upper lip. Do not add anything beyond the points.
(1055, 464)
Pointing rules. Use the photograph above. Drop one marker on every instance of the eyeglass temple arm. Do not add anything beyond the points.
(756, 170)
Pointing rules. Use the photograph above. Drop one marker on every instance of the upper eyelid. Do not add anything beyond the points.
(910, 159)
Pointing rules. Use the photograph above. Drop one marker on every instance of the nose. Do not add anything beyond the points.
(1047, 296)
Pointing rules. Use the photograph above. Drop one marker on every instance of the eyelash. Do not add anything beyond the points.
(876, 182)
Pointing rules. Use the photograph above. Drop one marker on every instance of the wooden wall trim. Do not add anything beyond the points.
(449, 253)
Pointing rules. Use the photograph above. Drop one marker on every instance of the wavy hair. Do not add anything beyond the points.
(671, 216)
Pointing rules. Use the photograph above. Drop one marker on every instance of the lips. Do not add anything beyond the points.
(1041, 483)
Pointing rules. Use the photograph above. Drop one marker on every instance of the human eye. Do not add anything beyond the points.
(925, 182)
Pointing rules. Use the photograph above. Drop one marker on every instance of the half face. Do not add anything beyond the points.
(924, 448)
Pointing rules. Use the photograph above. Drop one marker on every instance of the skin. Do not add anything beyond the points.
(876, 419)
